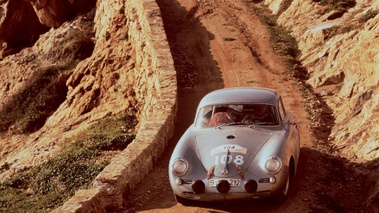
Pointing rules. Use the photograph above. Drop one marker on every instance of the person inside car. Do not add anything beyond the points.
(221, 115)
(259, 113)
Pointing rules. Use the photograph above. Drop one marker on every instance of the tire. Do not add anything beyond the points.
(283, 193)
(286, 189)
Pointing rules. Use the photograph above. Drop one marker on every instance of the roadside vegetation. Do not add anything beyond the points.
(285, 44)
(354, 25)
(369, 15)
(27, 110)
(338, 5)
(47, 186)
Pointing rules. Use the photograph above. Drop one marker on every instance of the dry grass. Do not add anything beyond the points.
(49, 185)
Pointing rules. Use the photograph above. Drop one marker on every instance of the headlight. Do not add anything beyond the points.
(179, 167)
(273, 164)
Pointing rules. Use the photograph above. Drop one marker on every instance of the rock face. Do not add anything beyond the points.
(62, 91)
(53, 13)
(341, 56)
(116, 61)
(22, 21)
(340, 50)
(19, 26)
(39, 72)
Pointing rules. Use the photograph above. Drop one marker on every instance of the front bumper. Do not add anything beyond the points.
(248, 188)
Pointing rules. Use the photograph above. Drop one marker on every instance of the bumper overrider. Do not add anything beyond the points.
(219, 189)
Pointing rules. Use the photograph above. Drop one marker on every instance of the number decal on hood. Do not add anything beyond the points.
(233, 148)
(227, 158)
(238, 160)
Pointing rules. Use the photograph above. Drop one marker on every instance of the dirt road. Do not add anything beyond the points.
(221, 43)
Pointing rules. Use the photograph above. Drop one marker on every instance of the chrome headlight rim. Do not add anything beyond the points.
(179, 167)
(273, 164)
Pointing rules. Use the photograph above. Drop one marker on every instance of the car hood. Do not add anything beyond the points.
(230, 151)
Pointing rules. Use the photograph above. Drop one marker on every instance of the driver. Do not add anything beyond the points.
(258, 114)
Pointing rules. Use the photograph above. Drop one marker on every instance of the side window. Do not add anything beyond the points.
(282, 111)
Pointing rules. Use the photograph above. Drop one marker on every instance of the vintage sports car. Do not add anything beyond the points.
(243, 144)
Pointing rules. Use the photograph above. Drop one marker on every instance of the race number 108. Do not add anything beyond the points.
(227, 159)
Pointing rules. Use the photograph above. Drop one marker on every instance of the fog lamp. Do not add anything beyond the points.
(251, 186)
(223, 186)
(198, 187)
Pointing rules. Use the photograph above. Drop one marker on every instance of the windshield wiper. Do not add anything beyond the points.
(265, 123)
(237, 123)
(231, 124)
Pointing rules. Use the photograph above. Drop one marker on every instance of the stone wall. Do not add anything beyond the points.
(156, 92)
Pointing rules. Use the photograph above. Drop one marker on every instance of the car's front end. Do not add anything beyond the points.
(259, 185)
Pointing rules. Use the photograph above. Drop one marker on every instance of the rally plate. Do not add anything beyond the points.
(232, 182)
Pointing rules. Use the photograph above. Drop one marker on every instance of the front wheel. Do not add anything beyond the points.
(286, 188)
(283, 194)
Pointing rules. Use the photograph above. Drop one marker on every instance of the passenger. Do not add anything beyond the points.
(221, 116)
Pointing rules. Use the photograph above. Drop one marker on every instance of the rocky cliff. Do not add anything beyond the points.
(339, 46)
(78, 62)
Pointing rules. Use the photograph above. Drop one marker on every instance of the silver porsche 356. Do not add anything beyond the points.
(243, 144)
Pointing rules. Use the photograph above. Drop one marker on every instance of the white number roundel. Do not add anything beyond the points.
(227, 159)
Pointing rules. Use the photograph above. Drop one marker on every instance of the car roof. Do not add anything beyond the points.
(240, 95)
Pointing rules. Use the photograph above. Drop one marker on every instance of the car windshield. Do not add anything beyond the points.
(239, 114)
